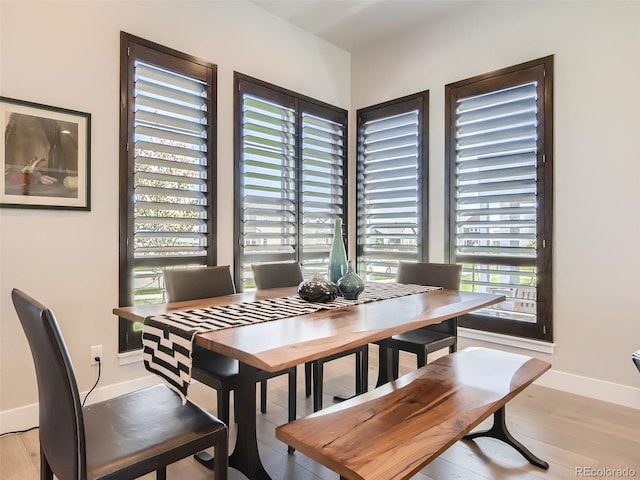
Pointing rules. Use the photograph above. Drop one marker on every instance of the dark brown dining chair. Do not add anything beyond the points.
(118, 439)
(289, 274)
(215, 370)
(432, 338)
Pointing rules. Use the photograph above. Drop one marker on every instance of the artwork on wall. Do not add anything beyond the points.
(45, 156)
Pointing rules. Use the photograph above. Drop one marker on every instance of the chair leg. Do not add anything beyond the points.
(223, 405)
(422, 358)
(292, 393)
(221, 459)
(45, 469)
(161, 473)
(362, 371)
(383, 377)
(395, 359)
(364, 387)
(292, 400)
(223, 412)
(359, 376)
(263, 396)
(307, 378)
(317, 385)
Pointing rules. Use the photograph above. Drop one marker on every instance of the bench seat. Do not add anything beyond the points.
(392, 432)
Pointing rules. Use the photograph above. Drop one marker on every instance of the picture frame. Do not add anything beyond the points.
(45, 156)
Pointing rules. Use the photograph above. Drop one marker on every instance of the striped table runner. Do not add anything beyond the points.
(168, 339)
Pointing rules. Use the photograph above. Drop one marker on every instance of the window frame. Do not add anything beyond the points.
(284, 97)
(131, 49)
(419, 101)
(542, 70)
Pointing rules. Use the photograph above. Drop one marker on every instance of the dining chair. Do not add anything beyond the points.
(215, 370)
(428, 339)
(635, 356)
(118, 439)
(288, 274)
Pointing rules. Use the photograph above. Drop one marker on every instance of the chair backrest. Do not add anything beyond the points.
(193, 283)
(62, 439)
(276, 275)
(445, 275)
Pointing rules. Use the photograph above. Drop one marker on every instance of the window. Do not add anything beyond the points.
(167, 170)
(499, 141)
(392, 186)
(290, 178)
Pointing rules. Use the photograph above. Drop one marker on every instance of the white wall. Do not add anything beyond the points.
(597, 162)
(66, 54)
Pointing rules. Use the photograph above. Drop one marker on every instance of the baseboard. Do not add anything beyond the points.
(507, 340)
(616, 393)
(22, 418)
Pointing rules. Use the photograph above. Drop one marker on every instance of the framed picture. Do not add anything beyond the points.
(45, 156)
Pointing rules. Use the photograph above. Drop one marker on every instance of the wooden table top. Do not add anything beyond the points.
(279, 344)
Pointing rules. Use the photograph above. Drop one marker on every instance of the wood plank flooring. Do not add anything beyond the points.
(569, 431)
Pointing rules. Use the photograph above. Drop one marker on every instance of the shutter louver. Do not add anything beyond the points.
(269, 182)
(388, 214)
(496, 204)
(170, 164)
(322, 193)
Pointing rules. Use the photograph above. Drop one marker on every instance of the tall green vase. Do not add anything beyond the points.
(337, 255)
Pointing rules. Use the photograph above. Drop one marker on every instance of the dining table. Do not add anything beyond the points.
(287, 342)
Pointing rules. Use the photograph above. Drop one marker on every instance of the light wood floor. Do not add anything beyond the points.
(573, 433)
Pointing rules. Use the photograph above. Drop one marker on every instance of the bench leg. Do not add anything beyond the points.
(500, 432)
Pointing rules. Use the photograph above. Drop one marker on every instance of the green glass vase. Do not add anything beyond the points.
(337, 255)
(351, 284)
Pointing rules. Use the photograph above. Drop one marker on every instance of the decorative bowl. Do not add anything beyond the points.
(317, 290)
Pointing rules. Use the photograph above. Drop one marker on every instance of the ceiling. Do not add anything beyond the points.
(353, 24)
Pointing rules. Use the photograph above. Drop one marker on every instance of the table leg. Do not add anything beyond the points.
(245, 456)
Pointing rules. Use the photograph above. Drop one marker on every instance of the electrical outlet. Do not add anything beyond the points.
(96, 351)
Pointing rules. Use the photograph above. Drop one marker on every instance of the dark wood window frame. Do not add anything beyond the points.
(132, 48)
(542, 71)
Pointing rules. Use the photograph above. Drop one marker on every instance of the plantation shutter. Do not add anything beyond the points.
(496, 197)
(499, 158)
(167, 171)
(171, 185)
(268, 173)
(170, 164)
(496, 152)
(291, 178)
(323, 189)
(391, 208)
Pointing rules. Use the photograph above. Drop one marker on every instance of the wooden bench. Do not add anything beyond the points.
(395, 430)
